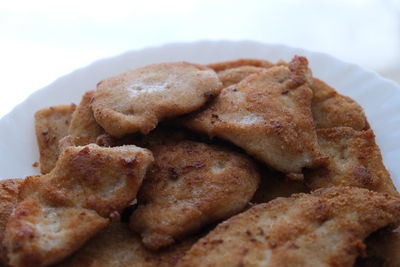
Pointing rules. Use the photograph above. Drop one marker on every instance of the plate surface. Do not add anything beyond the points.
(379, 97)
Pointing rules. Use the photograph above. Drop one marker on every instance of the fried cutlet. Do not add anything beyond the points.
(355, 160)
(51, 125)
(235, 75)
(84, 129)
(232, 72)
(268, 114)
(324, 228)
(191, 185)
(331, 109)
(57, 212)
(137, 100)
(117, 246)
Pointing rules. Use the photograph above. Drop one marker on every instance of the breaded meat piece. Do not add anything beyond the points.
(137, 100)
(235, 75)
(191, 185)
(324, 228)
(57, 212)
(331, 109)
(232, 72)
(355, 160)
(274, 184)
(268, 114)
(84, 129)
(9, 189)
(51, 125)
(117, 246)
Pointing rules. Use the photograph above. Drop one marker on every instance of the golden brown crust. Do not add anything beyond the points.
(355, 160)
(84, 129)
(9, 189)
(268, 114)
(59, 211)
(232, 72)
(331, 109)
(191, 185)
(234, 75)
(117, 246)
(51, 125)
(136, 100)
(324, 228)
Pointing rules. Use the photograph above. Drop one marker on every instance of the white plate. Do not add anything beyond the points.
(379, 97)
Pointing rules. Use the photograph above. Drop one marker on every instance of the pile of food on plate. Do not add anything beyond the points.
(239, 163)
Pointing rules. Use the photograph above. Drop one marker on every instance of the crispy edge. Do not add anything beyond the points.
(51, 125)
(83, 128)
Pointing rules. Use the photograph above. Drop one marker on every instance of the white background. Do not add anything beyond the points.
(42, 40)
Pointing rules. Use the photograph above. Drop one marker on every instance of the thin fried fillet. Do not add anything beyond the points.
(268, 114)
(51, 125)
(355, 160)
(9, 189)
(84, 129)
(58, 212)
(136, 100)
(117, 246)
(331, 109)
(235, 75)
(324, 228)
(191, 185)
(232, 72)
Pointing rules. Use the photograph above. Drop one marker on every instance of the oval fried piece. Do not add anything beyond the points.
(235, 75)
(355, 160)
(190, 185)
(231, 72)
(59, 211)
(83, 128)
(268, 114)
(117, 246)
(51, 125)
(324, 228)
(331, 109)
(136, 100)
